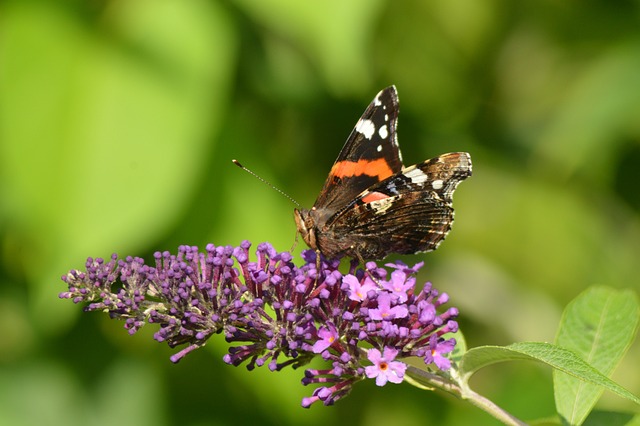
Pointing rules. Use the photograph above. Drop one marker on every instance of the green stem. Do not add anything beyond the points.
(426, 379)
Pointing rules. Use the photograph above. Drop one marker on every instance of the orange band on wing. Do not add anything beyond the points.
(374, 196)
(375, 168)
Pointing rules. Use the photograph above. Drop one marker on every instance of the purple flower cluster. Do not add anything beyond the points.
(275, 312)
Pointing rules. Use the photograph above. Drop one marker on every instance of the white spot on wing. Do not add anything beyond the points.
(416, 175)
(379, 148)
(376, 101)
(383, 132)
(366, 127)
(437, 184)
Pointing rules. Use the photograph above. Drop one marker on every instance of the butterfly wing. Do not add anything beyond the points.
(370, 154)
(407, 213)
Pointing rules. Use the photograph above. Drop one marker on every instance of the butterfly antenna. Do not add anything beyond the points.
(269, 184)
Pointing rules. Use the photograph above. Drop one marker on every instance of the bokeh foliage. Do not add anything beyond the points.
(118, 121)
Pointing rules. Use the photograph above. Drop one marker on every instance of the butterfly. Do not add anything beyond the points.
(371, 205)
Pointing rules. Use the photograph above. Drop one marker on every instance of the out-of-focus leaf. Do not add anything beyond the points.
(432, 61)
(597, 114)
(126, 391)
(535, 227)
(105, 129)
(335, 34)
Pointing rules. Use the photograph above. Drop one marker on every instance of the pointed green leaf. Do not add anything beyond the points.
(599, 326)
(555, 356)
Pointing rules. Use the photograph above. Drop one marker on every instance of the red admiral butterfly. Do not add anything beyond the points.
(371, 205)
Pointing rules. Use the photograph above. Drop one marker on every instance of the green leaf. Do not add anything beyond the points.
(599, 326)
(420, 378)
(554, 356)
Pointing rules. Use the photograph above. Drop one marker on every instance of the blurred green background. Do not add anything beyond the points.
(118, 121)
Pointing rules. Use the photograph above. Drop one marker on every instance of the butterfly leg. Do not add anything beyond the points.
(295, 243)
(359, 260)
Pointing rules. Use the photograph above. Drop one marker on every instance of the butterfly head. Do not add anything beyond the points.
(306, 227)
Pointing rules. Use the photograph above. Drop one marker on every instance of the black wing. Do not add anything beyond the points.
(369, 155)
